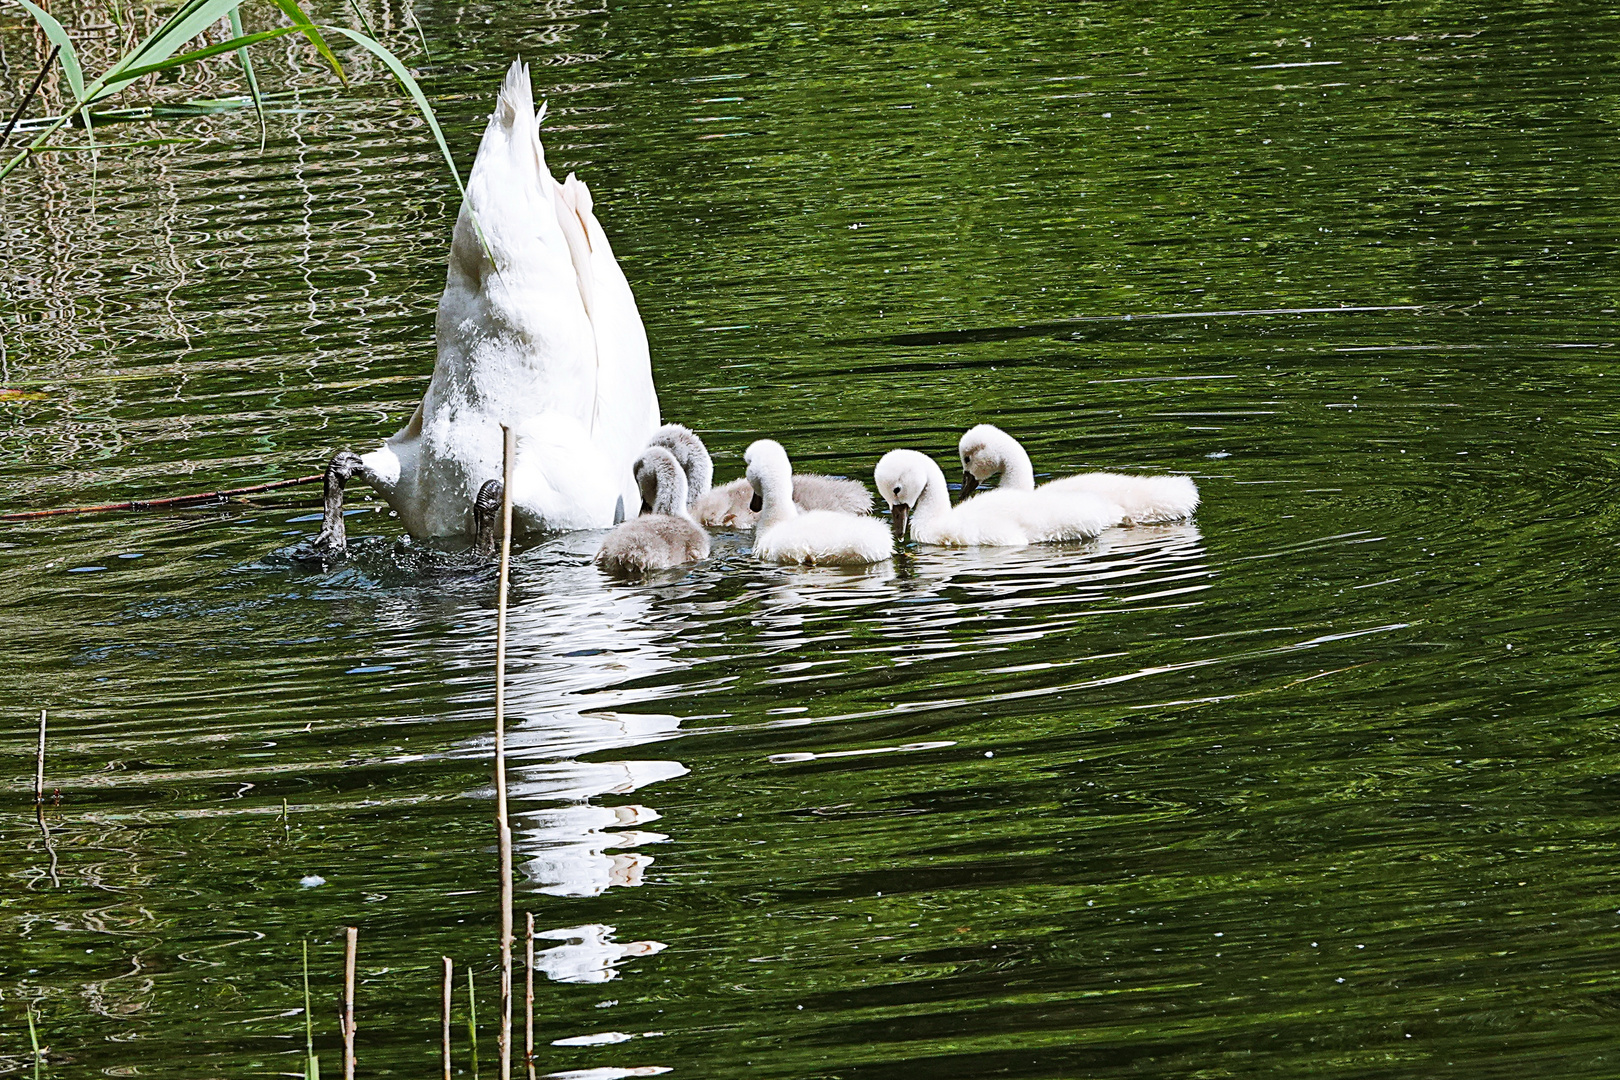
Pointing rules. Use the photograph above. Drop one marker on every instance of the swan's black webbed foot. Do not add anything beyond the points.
(487, 518)
(333, 540)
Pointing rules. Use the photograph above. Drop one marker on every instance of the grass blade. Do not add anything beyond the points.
(238, 45)
(59, 38)
(247, 70)
(377, 49)
(291, 9)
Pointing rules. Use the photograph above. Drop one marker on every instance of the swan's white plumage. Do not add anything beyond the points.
(785, 534)
(545, 339)
(1146, 500)
(906, 478)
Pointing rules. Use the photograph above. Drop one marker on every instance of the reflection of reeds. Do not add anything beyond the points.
(158, 53)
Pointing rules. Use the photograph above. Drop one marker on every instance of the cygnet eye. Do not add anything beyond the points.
(897, 489)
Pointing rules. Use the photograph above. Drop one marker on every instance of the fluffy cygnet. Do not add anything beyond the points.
(785, 534)
(727, 506)
(663, 537)
(914, 487)
(1147, 500)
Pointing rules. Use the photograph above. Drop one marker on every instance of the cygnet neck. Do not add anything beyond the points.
(670, 498)
(693, 456)
(934, 501)
(776, 493)
(1017, 472)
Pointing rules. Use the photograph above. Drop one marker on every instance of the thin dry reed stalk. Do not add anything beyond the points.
(39, 764)
(528, 996)
(350, 936)
(449, 969)
(502, 826)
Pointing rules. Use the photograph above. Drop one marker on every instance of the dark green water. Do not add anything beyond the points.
(1321, 785)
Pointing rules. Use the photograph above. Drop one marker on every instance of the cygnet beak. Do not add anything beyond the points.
(899, 514)
(756, 504)
(970, 483)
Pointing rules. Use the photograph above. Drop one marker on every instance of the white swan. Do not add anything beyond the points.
(663, 536)
(1147, 500)
(914, 487)
(785, 534)
(728, 506)
(537, 330)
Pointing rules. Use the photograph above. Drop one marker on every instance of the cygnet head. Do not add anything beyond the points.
(771, 476)
(902, 476)
(984, 453)
(662, 482)
(692, 455)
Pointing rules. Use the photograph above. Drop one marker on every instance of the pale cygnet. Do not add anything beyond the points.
(727, 506)
(1146, 500)
(662, 538)
(785, 534)
(914, 487)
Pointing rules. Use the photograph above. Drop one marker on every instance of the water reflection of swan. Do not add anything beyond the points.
(576, 653)
(588, 954)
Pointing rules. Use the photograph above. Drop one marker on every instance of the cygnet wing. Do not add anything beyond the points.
(726, 507)
(1146, 500)
(815, 492)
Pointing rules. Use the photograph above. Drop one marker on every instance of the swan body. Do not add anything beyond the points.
(914, 487)
(785, 534)
(1146, 500)
(728, 506)
(537, 330)
(660, 538)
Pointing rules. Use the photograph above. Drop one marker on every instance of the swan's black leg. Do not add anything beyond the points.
(333, 540)
(487, 518)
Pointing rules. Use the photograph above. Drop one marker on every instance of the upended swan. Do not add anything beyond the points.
(663, 535)
(785, 534)
(537, 330)
(729, 506)
(1147, 500)
(914, 487)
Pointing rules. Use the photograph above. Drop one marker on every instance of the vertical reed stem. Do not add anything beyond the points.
(312, 1064)
(39, 763)
(448, 968)
(502, 827)
(472, 1021)
(350, 935)
(528, 997)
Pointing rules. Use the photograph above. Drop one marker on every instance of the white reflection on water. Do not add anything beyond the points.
(588, 954)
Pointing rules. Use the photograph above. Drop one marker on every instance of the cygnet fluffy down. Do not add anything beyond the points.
(727, 506)
(692, 456)
(1146, 500)
(785, 534)
(666, 536)
(914, 487)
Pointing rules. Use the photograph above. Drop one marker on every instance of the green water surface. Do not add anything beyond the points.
(1320, 784)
